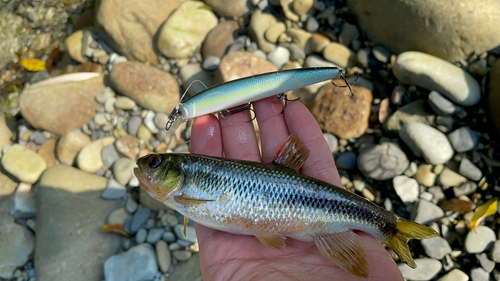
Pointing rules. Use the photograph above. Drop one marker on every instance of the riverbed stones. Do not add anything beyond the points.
(69, 145)
(90, 159)
(259, 23)
(406, 188)
(426, 269)
(219, 39)
(463, 139)
(339, 55)
(138, 263)
(242, 64)
(494, 94)
(23, 163)
(5, 134)
(163, 256)
(436, 247)
(341, 115)
(69, 242)
(382, 161)
(147, 85)
(417, 111)
(230, 8)
(479, 240)
(16, 246)
(425, 212)
(469, 170)
(436, 74)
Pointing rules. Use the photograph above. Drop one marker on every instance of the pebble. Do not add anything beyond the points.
(427, 142)
(69, 145)
(109, 155)
(133, 125)
(89, 159)
(211, 63)
(139, 219)
(383, 161)
(486, 263)
(114, 190)
(381, 54)
(109, 106)
(411, 170)
(441, 105)
(410, 113)
(273, 33)
(495, 252)
(463, 139)
(160, 120)
(37, 137)
(118, 216)
(140, 236)
(480, 240)
(449, 178)
(469, 170)
(124, 103)
(149, 123)
(169, 220)
(332, 141)
(301, 7)
(279, 56)
(163, 256)
(425, 175)
(346, 160)
(230, 8)
(130, 205)
(174, 246)
(123, 170)
(465, 189)
(339, 55)
(24, 202)
(479, 274)
(105, 95)
(128, 146)
(296, 53)
(348, 33)
(407, 189)
(155, 235)
(138, 263)
(436, 247)
(23, 163)
(190, 233)
(301, 38)
(16, 246)
(169, 237)
(425, 212)
(312, 24)
(433, 73)
(455, 275)
(219, 39)
(182, 255)
(259, 23)
(426, 269)
(317, 61)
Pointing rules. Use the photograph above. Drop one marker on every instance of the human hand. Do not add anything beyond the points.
(226, 256)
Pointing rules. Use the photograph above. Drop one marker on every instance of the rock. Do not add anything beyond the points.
(381, 54)
(301, 7)
(494, 94)
(128, 146)
(463, 139)
(69, 145)
(150, 202)
(124, 103)
(163, 256)
(480, 240)
(189, 270)
(144, 134)
(24, 202)
(436, 247)
(486, 263)
(407, 189)
(317, 61)
(436, 74)
(441, 105)
(341, 115)
(16, 247)
(140, 236)
(430, 27)
(296, 53)
(230, 8)
(47, 151)
(259, 23)
(449, 178)
(11, 38)
(425, 212)
(37, 137)
(339, 55)
(70, 244)
(383, 161)
(495, 252)
(5, 134)
(211, 63)
(191, 74)
(312, 24)
(130, 26)
(105, 95)
(279, 56)
(427, 142)
(114, 190)
(138, 263)
(301, 38)
(89, 159)
(318, 42)
(346, 160)
(130, 205)
(190, 233)
(154, 235)
(332, 141)
(219, 39)
(133, 125)
(123, 170)
(109, 155)
(48, 106)
(414, 112)
(139, 219)
(348, 33)
(7, 186)
(479, 274)
(148, 86)
(118, 216)
(169, 237)
(469, 170)
(74, 45)
(185, 30)
(182, 255)
(465, 189)
(425, 176)
(242, 64)
(274, 32)
(169, 220)
(455, 275)
(23, 163)
(426, 269)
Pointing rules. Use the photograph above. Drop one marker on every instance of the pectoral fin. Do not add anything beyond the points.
(271, 240)
(293, 154)
(186, 200)
(344, 249)
(185, 226)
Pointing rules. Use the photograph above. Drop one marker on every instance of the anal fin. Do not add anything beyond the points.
(271, 240)
(293, 154)
(186, 200)
(344, 249)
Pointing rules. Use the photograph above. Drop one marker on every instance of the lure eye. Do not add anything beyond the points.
(154, 162)
(179, 112)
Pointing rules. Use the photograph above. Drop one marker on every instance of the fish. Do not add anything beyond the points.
(246, 90)
(273, 201)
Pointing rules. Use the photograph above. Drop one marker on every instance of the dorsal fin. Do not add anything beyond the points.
(293, 154)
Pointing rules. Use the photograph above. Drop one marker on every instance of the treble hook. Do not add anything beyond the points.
(283, 96)
(226, 113)
(344, 77)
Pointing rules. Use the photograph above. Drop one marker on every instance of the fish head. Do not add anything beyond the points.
(161, 175)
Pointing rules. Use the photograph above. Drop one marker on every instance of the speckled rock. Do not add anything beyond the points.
(436, 74)
(341, 115)
(382, 161)
(241, 64)
(23, 163)
(146, 85)
(185, 30)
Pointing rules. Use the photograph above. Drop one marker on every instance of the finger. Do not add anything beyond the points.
(272, 126)
(238, 137)
(320, 163)
(206, 136)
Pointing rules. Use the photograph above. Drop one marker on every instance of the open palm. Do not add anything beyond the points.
(226, 256)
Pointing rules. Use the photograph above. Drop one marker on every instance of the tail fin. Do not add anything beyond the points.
(406, 230)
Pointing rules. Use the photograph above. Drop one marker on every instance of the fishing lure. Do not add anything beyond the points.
(244, 90)
(272, 201)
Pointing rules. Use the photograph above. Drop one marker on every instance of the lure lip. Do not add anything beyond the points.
(174, 120)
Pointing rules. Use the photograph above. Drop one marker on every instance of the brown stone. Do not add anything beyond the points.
(241, 64)
(89, 67)
(494, 97)
(230, 8)
(339, 114)
(74, 45)
(128, 146)
(219, 39)
(47, 151)
(148, 86)
(62, 107)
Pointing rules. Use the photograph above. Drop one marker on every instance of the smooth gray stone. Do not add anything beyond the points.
(312, 24)
(465, 189)
(109, 155)
(436, 247)
(346, 160)
(155, 235)
(469, 170)
(211, 63)
(441, 105)
(139, 219)
(425, 212)
(480, 240)
(140, 236)
(426, 269)
(479, 274)
(169, 237)
(133, 125)
(487, 264)
(114, 190)
(382, 161)
(37, 137)
(188, 270)
(463, 139)
(138, 263)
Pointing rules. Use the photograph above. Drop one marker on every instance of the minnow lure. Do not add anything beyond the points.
(245, 90)
(273, 201)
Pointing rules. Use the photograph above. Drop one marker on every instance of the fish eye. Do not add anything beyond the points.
(154, 162)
